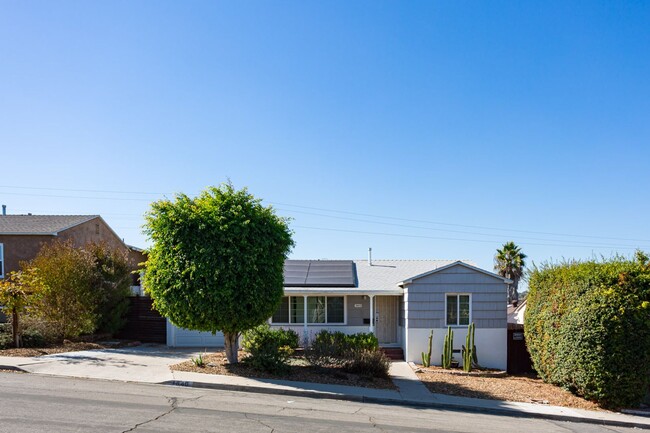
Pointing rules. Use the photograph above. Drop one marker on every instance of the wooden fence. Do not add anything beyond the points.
(518, 358)
(144, 323)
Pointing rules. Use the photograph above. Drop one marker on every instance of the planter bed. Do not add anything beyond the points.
(495, 385)
(299, 370)
(67, 346)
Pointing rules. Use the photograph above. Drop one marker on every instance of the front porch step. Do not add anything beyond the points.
(394, 353)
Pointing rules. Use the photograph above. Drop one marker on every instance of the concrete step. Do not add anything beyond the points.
(394, 353)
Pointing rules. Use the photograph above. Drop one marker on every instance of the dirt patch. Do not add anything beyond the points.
(527, 389)
(68, 346)
(299, 370)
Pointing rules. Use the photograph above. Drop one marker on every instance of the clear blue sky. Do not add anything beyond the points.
(454, 119)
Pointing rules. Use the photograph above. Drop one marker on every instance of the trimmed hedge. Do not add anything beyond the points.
(587, 328)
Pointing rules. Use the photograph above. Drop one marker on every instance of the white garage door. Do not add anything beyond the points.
(179, 337)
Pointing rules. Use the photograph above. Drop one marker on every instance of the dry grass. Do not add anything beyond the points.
(299, 370)
(67, 346)
(526, 389)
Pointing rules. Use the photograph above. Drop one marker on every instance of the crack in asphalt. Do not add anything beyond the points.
(173, 402)
(259, 421)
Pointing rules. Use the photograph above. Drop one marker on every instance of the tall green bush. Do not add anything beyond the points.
(63, 276)
(113, 285)
(587, 328)
(269, 349)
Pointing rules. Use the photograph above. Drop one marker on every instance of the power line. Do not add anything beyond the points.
(317, 209)
(444, 238)
(444, 230)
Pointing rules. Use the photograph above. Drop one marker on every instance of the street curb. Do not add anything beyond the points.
(12, 368)
(398, 402)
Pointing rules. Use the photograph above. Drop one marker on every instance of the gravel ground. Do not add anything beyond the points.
(509, 388)
(65, 347)
(299, 370)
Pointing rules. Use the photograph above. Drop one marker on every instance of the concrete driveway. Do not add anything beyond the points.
(146, 363)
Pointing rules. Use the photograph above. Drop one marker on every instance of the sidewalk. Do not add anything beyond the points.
(150, 364)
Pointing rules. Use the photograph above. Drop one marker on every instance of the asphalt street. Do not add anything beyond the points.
(32, 403)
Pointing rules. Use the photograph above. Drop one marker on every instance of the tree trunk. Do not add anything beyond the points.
(14, 327)
(232, 346)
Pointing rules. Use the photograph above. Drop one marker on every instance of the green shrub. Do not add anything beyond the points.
(336, 349)
(269, 349)
(6, 339)
(112, 283)
(587, 328)
(33, 338)
(370, 363)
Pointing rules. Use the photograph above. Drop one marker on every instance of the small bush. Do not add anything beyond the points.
(33, 338)
(370, 363)
(6, 339)
(198, 361)
(269, 349)
(350, 352)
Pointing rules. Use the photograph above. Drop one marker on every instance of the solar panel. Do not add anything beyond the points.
(319, 273)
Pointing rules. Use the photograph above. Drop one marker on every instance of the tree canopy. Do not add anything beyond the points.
(217, 260)
(509, 262)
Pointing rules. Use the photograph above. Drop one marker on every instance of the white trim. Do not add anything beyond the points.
(2, 260)
(457, 263)
(458, 325)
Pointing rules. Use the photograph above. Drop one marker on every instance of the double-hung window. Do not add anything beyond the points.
(458, 310)
(320, 309)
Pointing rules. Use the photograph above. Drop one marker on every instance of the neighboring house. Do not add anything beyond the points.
(22, 237)
(400, 301)
(516, 313)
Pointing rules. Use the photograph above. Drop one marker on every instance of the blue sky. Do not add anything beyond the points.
(422, 129)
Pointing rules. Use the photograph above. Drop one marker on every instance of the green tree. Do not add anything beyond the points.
(509, 263)
(113, 286)
(65, 278)
(217, 260)
(15, 296)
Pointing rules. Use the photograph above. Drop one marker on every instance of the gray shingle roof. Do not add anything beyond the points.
(40, 224)
(382, 276)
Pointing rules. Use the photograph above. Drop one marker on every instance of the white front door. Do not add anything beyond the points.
(386, 319)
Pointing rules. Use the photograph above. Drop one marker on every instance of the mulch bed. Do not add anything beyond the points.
(299, 370)
(499, 386)
(67, 346)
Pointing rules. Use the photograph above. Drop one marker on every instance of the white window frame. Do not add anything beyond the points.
(345, 311)
(458, 295)
(2, 260)
(289, 309)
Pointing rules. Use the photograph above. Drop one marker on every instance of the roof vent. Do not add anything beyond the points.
(369, 256)
(4, 209)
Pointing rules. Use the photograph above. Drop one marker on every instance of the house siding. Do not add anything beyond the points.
(426, 299)
(424, 304)
(19, 248)
(356, 315)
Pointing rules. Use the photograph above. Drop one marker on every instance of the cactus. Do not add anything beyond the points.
(470, 358)
(426, 357)
(448, 348)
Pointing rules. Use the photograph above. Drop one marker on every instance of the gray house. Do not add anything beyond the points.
(400, 301)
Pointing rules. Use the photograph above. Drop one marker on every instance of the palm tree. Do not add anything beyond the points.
(509, 263)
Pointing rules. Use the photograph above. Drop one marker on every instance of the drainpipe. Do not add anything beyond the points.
(372, 314)
(305, 332)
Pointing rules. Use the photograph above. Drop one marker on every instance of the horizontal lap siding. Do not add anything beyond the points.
(426, 298)
(356, 315)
